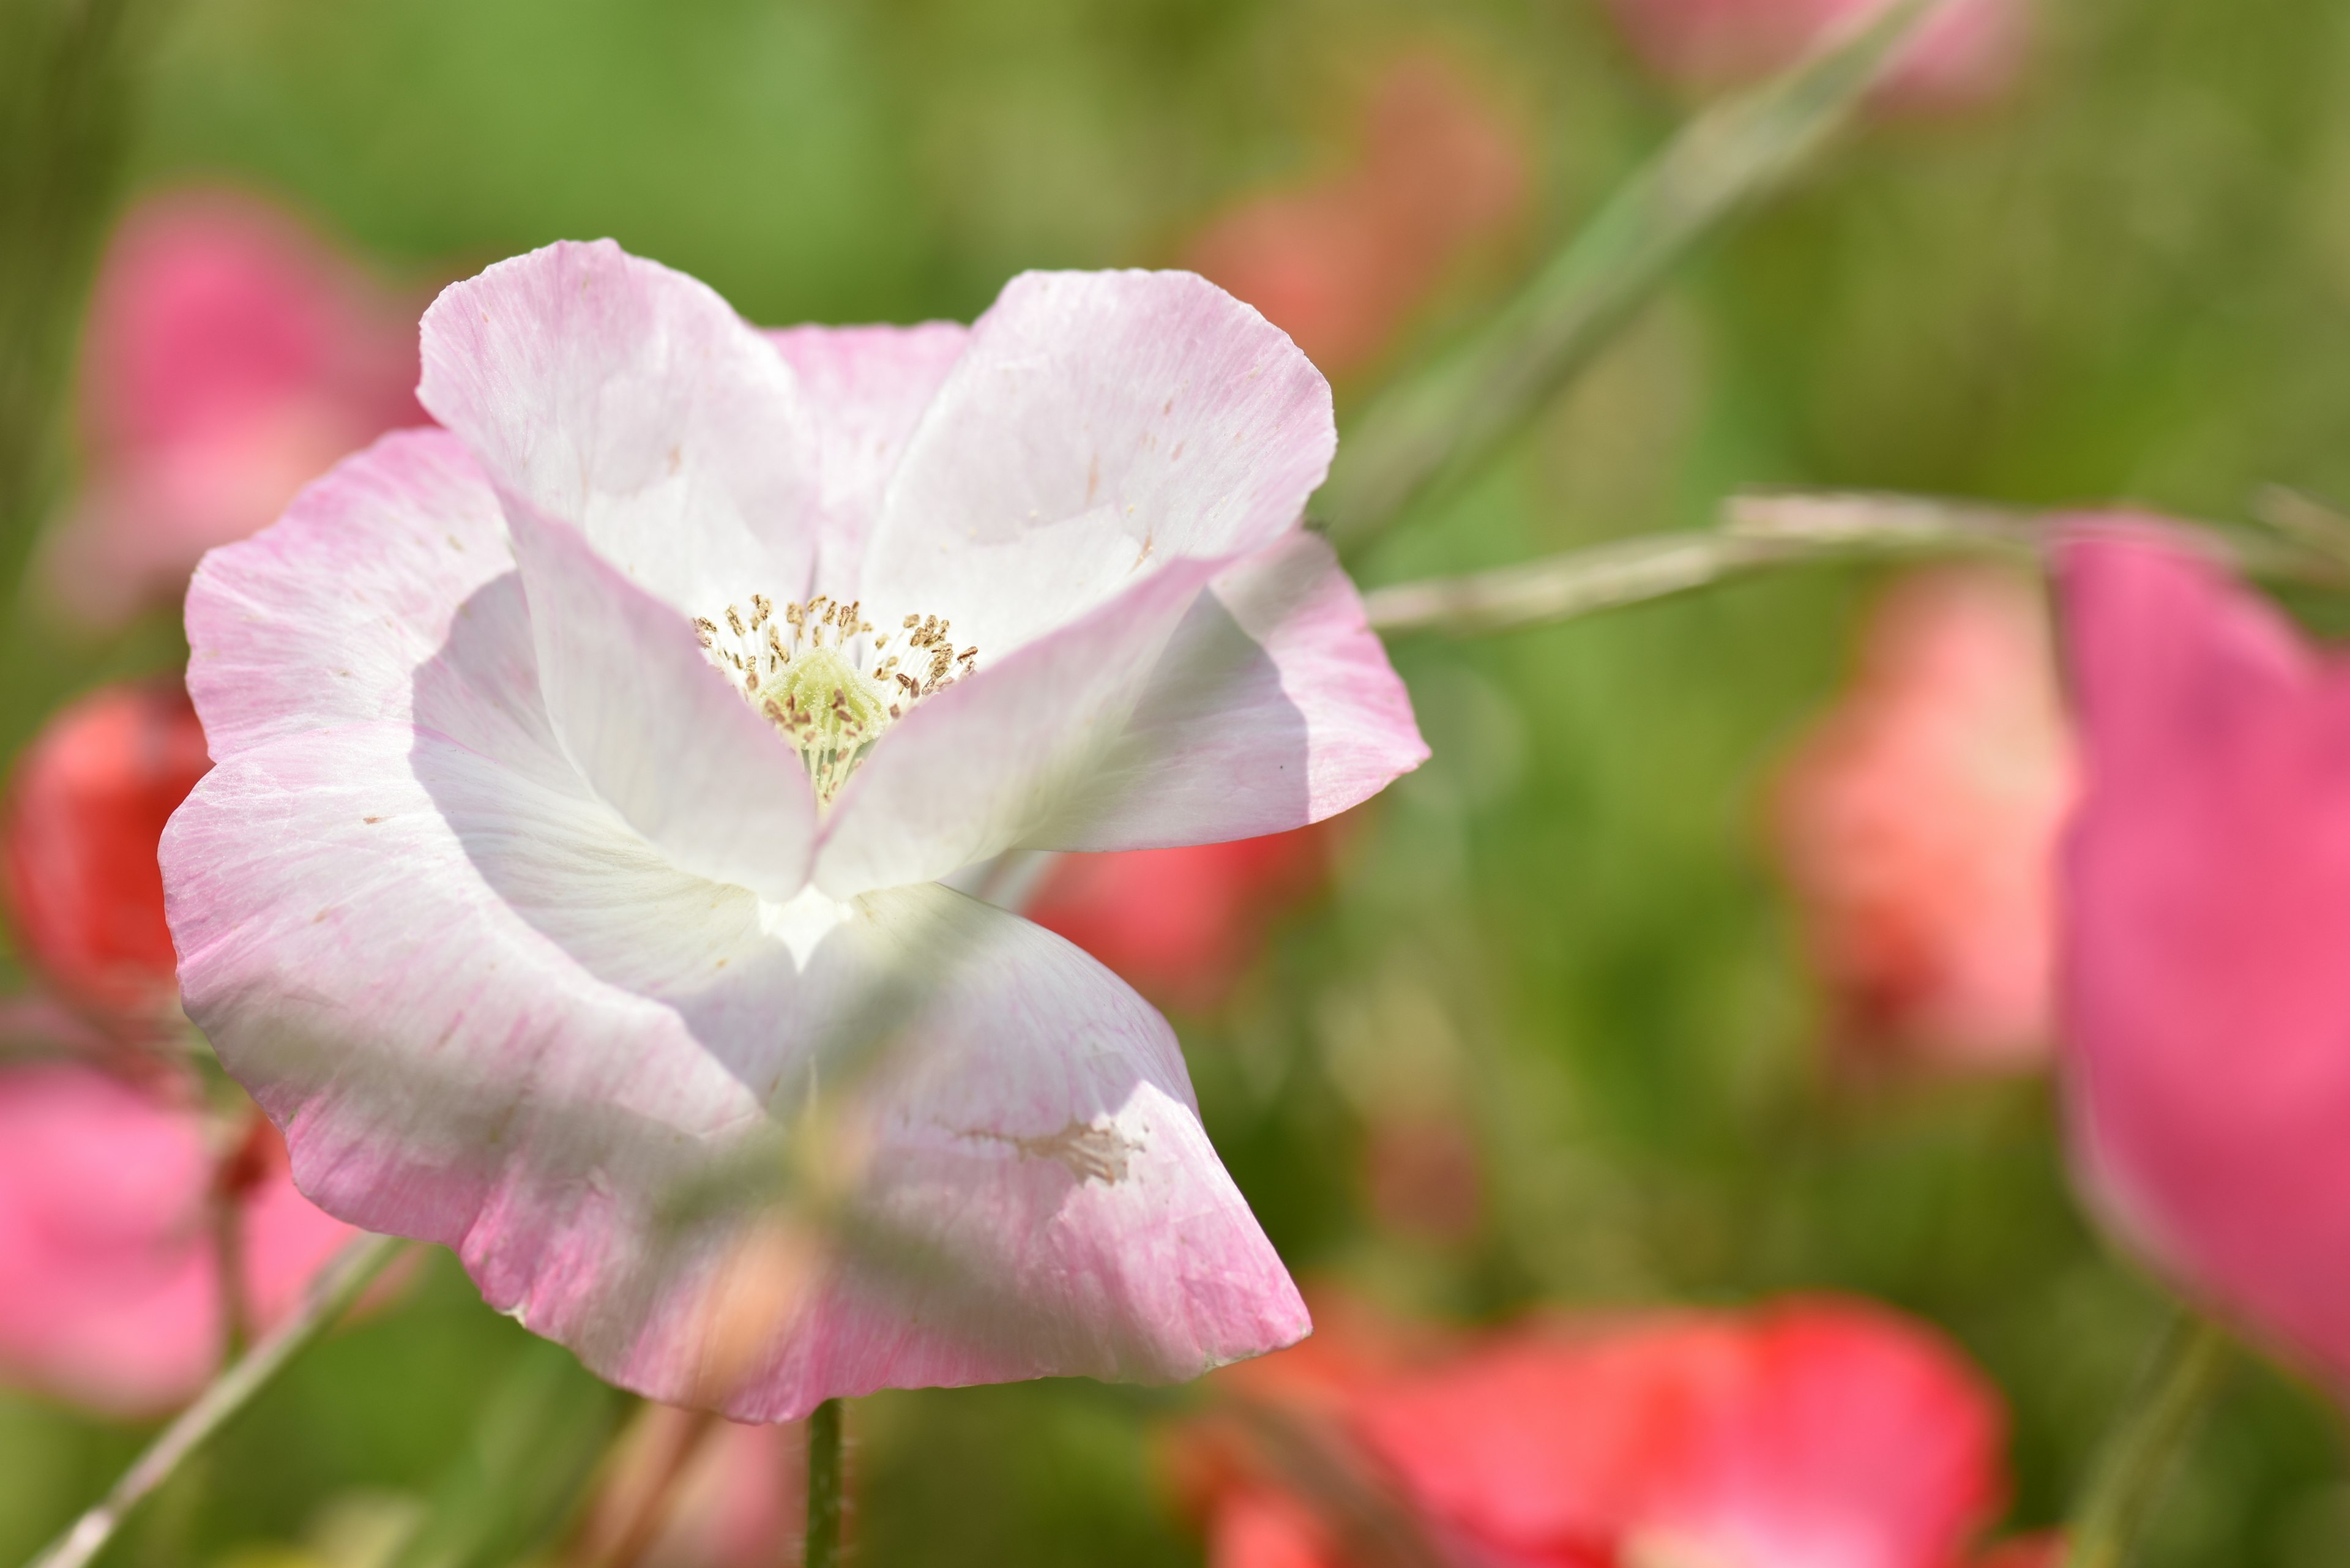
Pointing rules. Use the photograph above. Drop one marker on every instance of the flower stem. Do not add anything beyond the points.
(330, 1295)
(2147, 1439)
(1441, 426)
(1763, 532)
(823, 1487)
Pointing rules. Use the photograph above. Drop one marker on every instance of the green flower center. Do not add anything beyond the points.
(817, 673)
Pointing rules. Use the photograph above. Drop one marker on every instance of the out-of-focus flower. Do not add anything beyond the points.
(1918, 825)
(84, 814)
(1182, 925)
(1965, 54)
(1339, 265)
(109, 1239)
(2207, 915)
(683, 1489)
(586, 769)
(1809, 1432)
(232, 355)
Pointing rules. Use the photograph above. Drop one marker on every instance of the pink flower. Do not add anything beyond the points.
(231, 355)
(586, 770)
(2207, 897)
(1182, 925)
(1339, 265)
(108, 1243)
(1968, 53)
(85, 810)
(1917, 824)
(1808, 1433)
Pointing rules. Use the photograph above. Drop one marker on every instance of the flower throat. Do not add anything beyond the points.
(819, 675)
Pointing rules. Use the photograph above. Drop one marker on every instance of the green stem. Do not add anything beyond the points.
(2145, 1441)
(330, 1295)
(823, 1487)
(1438, 427)
(1761, 532)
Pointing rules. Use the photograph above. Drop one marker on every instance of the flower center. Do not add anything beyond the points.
(817, 673)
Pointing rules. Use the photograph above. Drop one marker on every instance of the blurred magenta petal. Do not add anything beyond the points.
(1967, 54)
(87, 804)
(2206, 883)
(232, 355)
(107, 1240)
(492, 901)
(1340, 264)
(1808, 1433)
(1918, 825)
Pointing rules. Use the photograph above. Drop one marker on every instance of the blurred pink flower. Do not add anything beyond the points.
(1967, 54)
(107, 1239)
(85, 811)
(1340, 264)
(1917, 824)
(232, 355)
(591, 863)
(1806, 1432)
(1182, 925)
(2207, 898)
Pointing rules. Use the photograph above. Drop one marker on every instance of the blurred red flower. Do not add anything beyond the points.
(84, 814)
(1807, 1432)
(232, 357)
(1182, 926)
(1917, 824)
(2206, 989)
(110, 1186)
(109, 1237)
(1341, 263)
(1967, 54)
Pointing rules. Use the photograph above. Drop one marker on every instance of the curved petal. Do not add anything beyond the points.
(1273, 706)
(385, 592)
(1099, 425)
(2206, 910)
(976, 769)
(487, 1015)
(865, 388)
(631, 401)
(653, 727)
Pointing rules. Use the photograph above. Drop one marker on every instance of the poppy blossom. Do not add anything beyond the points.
(1918, 825)
(586, 772)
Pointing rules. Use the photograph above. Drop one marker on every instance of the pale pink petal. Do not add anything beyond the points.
(629, 400)
(105, 1245)
(2207, 914)
(1099, 426)
(655, 728)
(488, 1015)
(865, 389)
(1274, 706)
(387, 592)
(980, 767)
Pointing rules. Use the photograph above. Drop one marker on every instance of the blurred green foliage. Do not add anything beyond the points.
(2129, 278)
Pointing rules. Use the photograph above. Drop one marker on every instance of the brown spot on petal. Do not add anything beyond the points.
(1091, 1153)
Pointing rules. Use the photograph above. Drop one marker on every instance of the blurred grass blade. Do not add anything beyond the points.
(1435, 429)
(2187, 1371)
(330, 1296)
(533, 1450)
(67, 70)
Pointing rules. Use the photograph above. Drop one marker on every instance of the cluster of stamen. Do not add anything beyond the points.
(818, 673)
